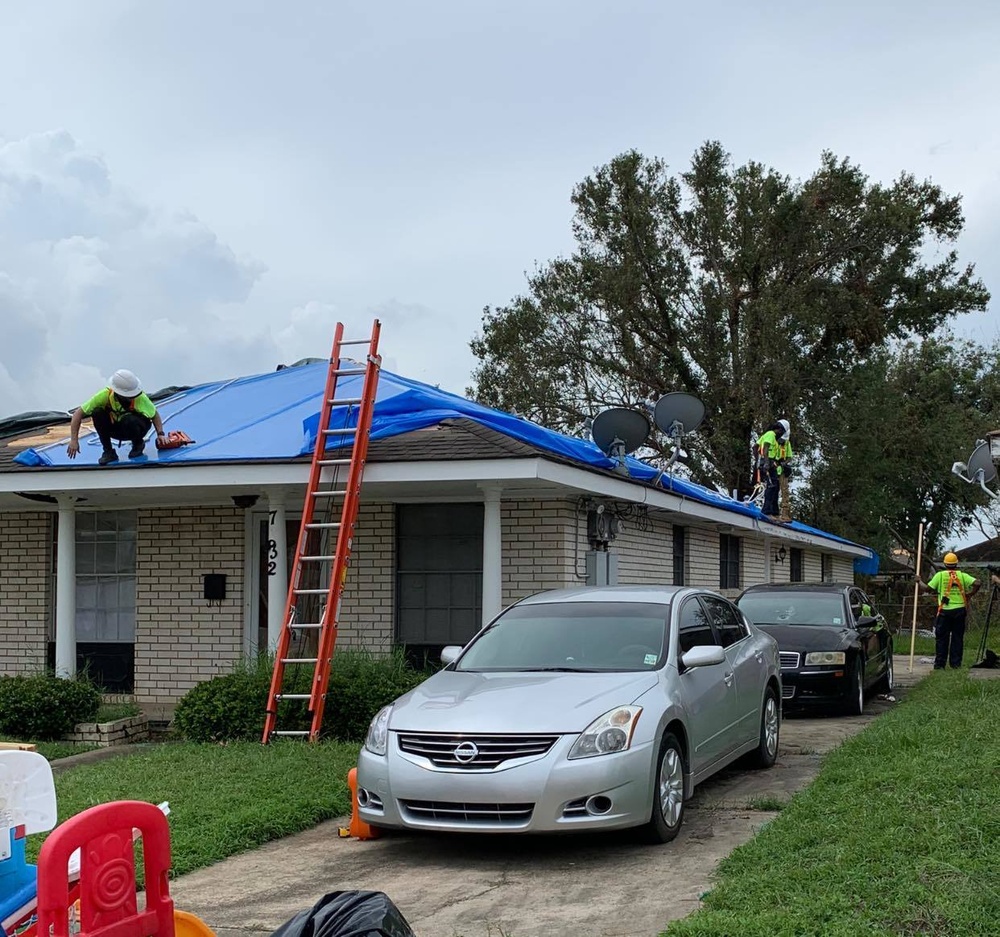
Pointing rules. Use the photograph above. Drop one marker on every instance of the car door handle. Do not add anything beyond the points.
(728, 678)
(759, 656)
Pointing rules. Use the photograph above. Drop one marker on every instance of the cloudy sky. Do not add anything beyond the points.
(199, 190)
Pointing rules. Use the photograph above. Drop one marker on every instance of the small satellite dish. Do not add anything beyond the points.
(678, 413)
(981, 459)
(618, 432)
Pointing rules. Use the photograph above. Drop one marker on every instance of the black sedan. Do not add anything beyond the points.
(834, 645)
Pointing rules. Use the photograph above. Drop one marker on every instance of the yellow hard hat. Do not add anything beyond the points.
(950, 559)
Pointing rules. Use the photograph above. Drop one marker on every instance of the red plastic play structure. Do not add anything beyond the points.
(101, 900)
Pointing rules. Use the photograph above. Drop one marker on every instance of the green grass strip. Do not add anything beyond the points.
(898, 835)
(224, 799)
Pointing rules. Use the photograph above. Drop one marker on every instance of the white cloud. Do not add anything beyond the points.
(92, 279)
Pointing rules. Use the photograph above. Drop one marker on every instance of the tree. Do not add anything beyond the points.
(754, 292)
(890, 436)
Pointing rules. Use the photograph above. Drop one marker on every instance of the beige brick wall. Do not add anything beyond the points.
(753, 562)
(645, 556)
(843, 568)
(180, 640)
(703, 557)
(544, 546)
(25, 561)
(369, 606)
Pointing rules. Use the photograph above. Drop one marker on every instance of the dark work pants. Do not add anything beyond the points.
(130, 428)
(949, 627)
(769, 477)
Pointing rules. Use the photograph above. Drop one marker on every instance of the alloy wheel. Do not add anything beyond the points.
(671, 786)
(771, 725)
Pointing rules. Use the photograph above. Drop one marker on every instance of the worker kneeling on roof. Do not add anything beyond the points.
(120, 411)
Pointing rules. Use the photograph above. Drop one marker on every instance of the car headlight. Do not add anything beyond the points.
(826, 657)
(611, 733)
(378, 732)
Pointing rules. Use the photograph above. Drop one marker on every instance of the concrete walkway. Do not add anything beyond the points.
(487, 886)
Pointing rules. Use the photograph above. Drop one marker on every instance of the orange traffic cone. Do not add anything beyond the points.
(358, 828)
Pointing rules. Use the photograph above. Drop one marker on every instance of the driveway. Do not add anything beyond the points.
(486, 886)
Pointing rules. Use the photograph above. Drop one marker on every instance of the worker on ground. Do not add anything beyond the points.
(768, 455)
(120, 411)
(954, 589)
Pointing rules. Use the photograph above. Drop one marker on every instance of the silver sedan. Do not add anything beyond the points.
(578, 709)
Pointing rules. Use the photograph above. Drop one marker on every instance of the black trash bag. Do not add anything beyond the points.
(348, 914)
(990, 661)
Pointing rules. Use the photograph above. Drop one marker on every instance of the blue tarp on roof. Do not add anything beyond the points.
(275, 417)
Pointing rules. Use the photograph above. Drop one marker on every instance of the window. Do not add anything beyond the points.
(694, 628)
(105, 597)
(680, 557)
(727, 620)
(795, 565)
(439, 575)
(729, 561)
(826, 567)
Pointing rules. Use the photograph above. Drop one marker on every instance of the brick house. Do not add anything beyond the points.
(464, 511)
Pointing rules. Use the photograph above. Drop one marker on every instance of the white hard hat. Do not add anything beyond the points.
(125, 384)
(787, 426)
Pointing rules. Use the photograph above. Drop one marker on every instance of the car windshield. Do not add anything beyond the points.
(572, 636)
(794, 608)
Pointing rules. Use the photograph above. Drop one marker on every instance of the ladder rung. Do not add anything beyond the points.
(322, 525)
(334, 461)
(340, 372)
(310, 591)
(299, 660)
(330, 494)
(357, 341)
(343, 401)
(316, 559)
(318, 624)
(299, 732)
(292, 695)
(341, 432)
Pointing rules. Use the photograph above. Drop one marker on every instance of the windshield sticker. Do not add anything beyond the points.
(650, 659)
(837, 621)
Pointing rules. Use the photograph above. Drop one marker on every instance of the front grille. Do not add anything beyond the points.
(787, 692)
(789, 659)
(475, 751)
(445, 812)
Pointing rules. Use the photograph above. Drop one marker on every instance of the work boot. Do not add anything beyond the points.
(136, 449)
(107, 457)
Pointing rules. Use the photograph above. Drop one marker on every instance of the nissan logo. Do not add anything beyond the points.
(466, 752)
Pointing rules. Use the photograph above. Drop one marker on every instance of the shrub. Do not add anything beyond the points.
(43, 707)
(231, 707)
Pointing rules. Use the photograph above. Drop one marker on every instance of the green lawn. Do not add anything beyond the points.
(224, 799)
(54, 750)
(899, 834)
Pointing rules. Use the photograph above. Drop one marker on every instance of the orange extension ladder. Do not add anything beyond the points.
(321, 527)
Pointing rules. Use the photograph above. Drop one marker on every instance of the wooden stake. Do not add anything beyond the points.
(916, 577)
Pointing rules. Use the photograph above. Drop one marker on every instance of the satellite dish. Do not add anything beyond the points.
(982, 460)
(618, 432)
(678, 413)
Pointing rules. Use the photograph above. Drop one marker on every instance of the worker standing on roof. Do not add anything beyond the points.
(120, 411)
(785, 469)
(954, 589)
(768, 456)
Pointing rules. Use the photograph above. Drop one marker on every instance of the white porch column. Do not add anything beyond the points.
(768, 560)
(277, 567)
(66, 591)
(492, 555)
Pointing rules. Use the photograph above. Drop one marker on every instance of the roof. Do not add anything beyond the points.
(984, 553)
(274, 417)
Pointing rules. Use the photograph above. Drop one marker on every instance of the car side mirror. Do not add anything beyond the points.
(867, 621)
(450, 654)
(704, 656)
